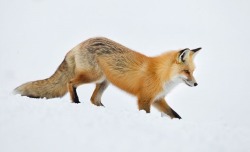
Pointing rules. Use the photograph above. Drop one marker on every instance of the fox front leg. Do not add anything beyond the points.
(144, 104)
(163, 107)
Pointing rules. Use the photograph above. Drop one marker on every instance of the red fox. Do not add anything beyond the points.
(103, 61)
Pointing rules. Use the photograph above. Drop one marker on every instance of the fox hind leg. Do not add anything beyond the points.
(74, 83)
(73, 93)
(97, 94)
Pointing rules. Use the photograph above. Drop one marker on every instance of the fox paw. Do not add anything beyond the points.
(99, 104)
(76, 101)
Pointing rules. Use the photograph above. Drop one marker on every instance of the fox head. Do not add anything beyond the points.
(185, 66)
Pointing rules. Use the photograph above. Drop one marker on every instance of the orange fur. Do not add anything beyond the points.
(100, 61)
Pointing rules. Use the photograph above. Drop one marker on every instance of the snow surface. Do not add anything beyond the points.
(35, 35)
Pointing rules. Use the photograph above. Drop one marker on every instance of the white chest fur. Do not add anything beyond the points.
(167, 87)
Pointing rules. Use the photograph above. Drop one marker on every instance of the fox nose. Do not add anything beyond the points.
(195, 84)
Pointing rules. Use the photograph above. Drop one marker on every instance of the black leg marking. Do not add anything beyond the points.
(175, 114)
(76, 99)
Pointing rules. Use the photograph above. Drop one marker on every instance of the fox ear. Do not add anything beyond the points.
(194, 52)
(183, 55)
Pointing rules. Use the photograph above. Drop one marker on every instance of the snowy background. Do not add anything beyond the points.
(35, 35)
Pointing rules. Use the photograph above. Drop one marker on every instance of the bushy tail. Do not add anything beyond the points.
(55, 86)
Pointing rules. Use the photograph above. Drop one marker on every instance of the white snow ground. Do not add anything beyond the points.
(36, 34)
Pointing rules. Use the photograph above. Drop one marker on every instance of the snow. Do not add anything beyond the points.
(62, 126)
(36, 35)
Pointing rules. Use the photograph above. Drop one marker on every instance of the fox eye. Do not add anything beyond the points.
(186, 71)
